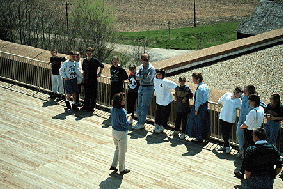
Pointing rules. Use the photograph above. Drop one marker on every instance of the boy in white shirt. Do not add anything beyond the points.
(164, 98)
(231, 102)
(70, 71)
(253, 121)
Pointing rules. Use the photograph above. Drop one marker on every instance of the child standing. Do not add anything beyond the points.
(164, 98)
(132, 92)
(231, 102)
(118, 75)
(70, 71)
(182, 95)
(120, 128)
(57, 81)
(274, 112)
(90, 67)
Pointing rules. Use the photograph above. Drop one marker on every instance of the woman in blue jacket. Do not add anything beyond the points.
(120, 126)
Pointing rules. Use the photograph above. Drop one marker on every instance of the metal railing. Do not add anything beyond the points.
(38, 74)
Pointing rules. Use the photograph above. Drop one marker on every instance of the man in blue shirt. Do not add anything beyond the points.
(145, 76)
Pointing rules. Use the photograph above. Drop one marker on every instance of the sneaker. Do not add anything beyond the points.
(52, 95)
(68, 104)
(124, 172)
(182, 136)
(228, 150)
(138, 126)
(156, 127)
(160, 129)
(221, 148)
(239, 155)
(74, 107)
(174, 133)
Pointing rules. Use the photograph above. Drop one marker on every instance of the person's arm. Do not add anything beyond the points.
(100, 71)
(62, 71)
(248, 174)
(243, 126)
(150, 75)
(278, 170)
(222, 99)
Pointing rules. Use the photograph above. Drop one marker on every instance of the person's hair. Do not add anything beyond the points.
(260, 133)
(117, 99)
(132, 67)
(239, 90)
(89, 49)
(115, 57)
(182, 79)
(255, 98)
(53, 50)
(276, 98)
(72, 53)
(162, 71)
(198, 76)
(143, 56)
(250, 89)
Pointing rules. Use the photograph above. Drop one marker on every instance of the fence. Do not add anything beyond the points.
(37, 74)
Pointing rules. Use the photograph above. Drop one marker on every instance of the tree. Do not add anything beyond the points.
(92, 25)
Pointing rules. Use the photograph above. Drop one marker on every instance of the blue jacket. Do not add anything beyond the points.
(119, 119)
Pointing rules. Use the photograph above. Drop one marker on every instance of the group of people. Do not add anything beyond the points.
(147, 80)
(75, 73)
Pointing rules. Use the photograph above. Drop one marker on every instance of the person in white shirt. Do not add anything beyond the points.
(164, 98)
(231, 102)
(70, 72)
(253, 121)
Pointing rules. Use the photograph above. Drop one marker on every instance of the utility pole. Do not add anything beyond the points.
(195, 13)
(67, 21)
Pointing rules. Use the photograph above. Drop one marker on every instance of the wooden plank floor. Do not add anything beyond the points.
(42, 145)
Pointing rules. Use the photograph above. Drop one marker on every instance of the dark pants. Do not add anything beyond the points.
(131, 102)
(116, 87)
(181, 118)
(248, 138)
(226, 128)
(162, 114)
(78, 93)
(258, 182)
(90, 95)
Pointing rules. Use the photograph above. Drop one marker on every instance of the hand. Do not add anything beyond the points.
(242, 128)
(269, 117)
(67, 78)
(196, 112)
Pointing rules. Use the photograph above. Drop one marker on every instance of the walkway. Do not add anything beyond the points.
(44, 146)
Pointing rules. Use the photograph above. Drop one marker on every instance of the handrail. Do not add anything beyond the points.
(37, 74)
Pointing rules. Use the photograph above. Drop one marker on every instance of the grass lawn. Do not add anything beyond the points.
(188, 38)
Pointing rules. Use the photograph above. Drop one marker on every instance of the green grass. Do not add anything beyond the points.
(188, 38)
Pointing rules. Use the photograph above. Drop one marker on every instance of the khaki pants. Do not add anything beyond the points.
(120, 141)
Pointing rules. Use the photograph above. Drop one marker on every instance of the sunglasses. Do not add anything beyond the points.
(145, 60)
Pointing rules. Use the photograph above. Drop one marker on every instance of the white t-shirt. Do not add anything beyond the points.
(228, 111)
(254, 118)
(163, 89)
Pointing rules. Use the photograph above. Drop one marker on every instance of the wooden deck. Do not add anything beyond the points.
(42, 145)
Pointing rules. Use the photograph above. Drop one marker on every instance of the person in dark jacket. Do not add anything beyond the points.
(118, 75)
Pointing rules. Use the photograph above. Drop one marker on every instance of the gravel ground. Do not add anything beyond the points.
(262, 68)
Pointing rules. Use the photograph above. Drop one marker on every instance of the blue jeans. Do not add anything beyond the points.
(240, 136)
(258, 182)
(272, 129)
(144, 98)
